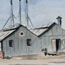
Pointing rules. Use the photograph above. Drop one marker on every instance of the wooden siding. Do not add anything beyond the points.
(19, 46)
(37, 43)
(55, 33)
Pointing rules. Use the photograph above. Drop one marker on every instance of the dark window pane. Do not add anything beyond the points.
(10, 43)
(28, 42)
(21, 33)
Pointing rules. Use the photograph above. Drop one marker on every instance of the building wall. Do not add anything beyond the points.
(55, 33)
(20, 45)
(37, 43)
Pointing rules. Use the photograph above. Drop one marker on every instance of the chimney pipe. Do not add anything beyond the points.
(59, 20)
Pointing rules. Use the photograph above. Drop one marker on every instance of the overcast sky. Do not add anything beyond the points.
(40, 11)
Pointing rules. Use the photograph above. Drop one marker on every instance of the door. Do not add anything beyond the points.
(56, 45)
(53, 45)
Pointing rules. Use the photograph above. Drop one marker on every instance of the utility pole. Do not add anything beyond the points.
(20, 11)
(12, 16)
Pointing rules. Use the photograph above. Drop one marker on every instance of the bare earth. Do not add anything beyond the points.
(48, 60)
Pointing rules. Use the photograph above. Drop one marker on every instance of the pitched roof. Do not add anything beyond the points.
(7, 32)
(41, 30)
(36, 31)
(4, 34)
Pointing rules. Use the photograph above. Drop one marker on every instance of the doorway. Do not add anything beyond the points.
(58, 45)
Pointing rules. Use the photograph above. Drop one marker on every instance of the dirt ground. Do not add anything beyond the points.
(45, 60)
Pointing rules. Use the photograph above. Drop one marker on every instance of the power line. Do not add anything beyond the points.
(30, 21)
(6, 22)
(27, 16)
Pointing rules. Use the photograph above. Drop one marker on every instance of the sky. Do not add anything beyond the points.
(41, 12)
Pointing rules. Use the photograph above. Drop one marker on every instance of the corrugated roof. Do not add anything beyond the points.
(39, 30)
(4, 34)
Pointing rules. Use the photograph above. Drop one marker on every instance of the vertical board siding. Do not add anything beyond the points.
(55, 33)
(20, 45)
(37, 43)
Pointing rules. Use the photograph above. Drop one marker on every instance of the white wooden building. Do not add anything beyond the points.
(20, 40)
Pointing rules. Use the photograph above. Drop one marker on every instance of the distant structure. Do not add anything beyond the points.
(12, 15)
(20, 40)
(20, 11)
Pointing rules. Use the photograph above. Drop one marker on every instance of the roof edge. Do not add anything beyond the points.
(51, 26)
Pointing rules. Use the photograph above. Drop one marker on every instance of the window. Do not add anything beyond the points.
(28, 42)
(21, 33)
(10, 43)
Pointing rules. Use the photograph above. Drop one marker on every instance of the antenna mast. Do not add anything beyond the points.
(27, 16)
(27, 12)
(20, 11)
(12, 16)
